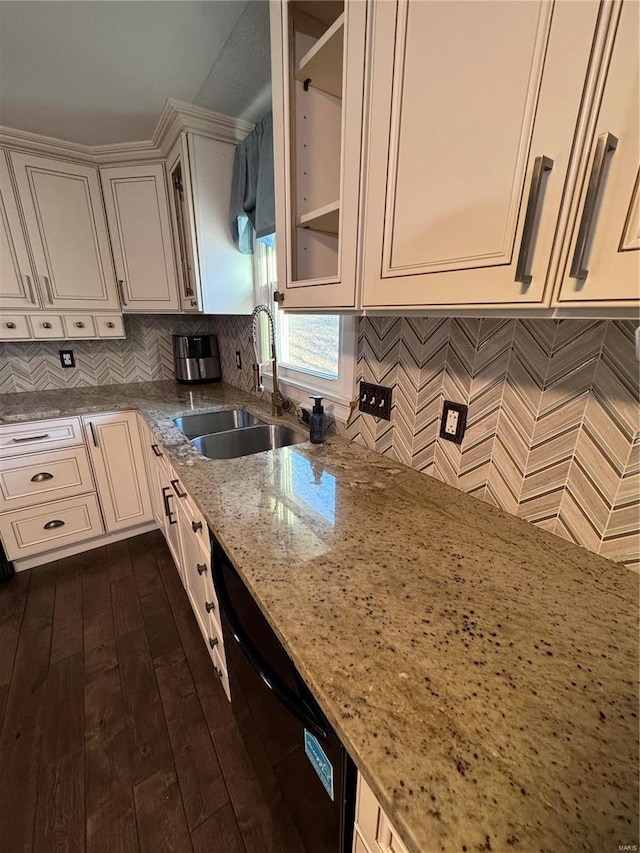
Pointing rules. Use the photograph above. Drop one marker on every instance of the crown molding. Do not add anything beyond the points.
(48, 145)
(176, 117)
(179, 116)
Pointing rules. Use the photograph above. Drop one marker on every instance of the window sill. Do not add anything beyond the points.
(335, 406)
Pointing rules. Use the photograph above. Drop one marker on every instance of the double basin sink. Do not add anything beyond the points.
(234, 433)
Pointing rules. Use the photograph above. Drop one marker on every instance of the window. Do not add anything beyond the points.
(316, 352)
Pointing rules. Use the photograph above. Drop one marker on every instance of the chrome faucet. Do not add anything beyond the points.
(277, 400)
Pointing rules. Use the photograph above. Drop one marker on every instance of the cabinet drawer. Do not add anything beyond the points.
(27, 480)
(17, 439)
(109, 325)
(373, 824)
(46, 326)
(79, 326)
(14, 327)
(35, 529)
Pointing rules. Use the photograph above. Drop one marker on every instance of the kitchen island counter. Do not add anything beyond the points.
(480, 671)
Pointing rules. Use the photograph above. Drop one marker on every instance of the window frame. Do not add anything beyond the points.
(298, 385)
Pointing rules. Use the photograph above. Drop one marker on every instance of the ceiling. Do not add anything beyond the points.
(99, 71)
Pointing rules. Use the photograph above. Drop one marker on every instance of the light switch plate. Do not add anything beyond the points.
(67, 359)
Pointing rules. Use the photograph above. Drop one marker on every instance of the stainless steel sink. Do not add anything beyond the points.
(211, 422)
(244, 442)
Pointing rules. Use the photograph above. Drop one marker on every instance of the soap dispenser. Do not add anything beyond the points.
(317, 422)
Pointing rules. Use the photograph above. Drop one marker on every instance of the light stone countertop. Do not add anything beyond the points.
(481, 672)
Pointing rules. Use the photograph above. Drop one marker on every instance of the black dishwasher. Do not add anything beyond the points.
(305, 773)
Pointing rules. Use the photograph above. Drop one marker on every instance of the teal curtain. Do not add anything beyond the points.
(252, 205)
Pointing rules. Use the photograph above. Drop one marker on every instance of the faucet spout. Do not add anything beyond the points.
(277, 400)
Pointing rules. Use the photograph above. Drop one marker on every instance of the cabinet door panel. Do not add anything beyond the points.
(65, 221)
(464, 101)
(116, 453)
(17, 288)
(138, 216)
(611, 255)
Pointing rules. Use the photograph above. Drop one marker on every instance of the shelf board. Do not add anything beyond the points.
(323, 63)
(325, 219)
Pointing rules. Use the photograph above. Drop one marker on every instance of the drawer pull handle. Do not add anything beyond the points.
(31, 438)
(213, 642)
(46, 325)
(40, 478)
(176, 489)
(210, 605)
(202, 568)
(111, 325)
(51, 525)
(156, 450)
(166, 494)
(217, 671)
(79, 325)
(196, 526)
(10, 325)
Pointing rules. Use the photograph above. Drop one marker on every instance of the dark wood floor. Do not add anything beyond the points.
(115, 734)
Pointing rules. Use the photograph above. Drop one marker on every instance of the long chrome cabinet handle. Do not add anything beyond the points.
(32, 296)
(607, 143)
(47, 287)
(123, 301)
(541, 165)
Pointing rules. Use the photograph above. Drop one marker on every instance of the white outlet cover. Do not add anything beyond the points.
(451, 424)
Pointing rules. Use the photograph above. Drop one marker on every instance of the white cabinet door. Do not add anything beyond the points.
(17, 287)
(116, 454)
(602, 265)
(62, 206)
(226, 275)
(467, 99)
(152, 453)
(137, 208)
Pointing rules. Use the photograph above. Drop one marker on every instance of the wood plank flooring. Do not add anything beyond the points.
(115, 734)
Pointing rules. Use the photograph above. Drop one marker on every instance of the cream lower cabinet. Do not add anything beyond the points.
(116, 455)
(373, 831)
(137, 208)
(67, 231)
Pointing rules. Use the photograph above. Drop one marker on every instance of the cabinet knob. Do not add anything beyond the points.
(46, 325)
(210, 605)
(10, 325)
(196, 526)
(111, 325)
(202, 568)
(194, 303)
(213, 642)
(278, 296)
(79, 325)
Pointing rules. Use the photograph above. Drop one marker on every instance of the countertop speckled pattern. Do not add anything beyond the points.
(481, 672)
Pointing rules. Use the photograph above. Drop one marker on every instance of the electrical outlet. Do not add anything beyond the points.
(238, 360)
(454, 421)
(375, 400)
(67, 358)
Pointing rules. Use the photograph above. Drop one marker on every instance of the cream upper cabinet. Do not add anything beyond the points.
(602, 263)
(215, 278)
(318, 68)
(472, 118)
(116, 455)
(67, 231)
(17, 285)
(138, 215)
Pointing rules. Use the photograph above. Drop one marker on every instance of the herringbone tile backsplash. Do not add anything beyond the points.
(553, 426)
(145, 355)
(553, 434)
